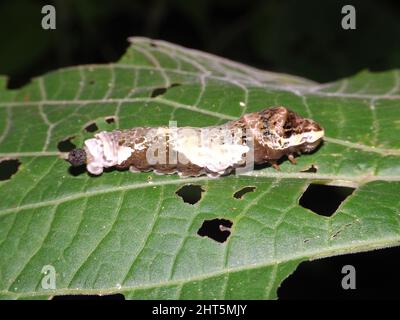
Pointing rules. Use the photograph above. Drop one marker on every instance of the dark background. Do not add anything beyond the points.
(303, 38)
(298, 37)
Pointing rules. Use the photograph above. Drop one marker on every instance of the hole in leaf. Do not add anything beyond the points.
(239, 194)
(92, 127)
(160, 91)
(312, 169)
(190, 193)
(216, 229)
(77, 171)
(92, 82)
(117, 296)
(66, 145)
(8, 168)
(324, 200)
(110, 120)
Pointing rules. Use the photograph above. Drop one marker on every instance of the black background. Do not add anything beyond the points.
(303, 38)
(298, 37)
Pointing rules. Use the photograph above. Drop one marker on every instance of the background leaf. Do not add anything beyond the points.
(132, 234)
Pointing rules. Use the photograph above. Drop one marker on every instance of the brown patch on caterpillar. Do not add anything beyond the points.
(255, 138)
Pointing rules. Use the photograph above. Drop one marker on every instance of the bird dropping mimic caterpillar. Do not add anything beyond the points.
(255, 138)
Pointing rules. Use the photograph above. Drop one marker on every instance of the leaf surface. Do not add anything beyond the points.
(132, 234)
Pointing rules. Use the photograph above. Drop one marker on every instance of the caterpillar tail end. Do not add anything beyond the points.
(77, 157)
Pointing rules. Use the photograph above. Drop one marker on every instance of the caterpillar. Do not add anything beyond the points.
(255, 138)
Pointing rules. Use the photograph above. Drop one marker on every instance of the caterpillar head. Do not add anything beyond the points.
(285, 129)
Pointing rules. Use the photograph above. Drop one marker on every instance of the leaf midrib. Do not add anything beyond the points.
(353, 180)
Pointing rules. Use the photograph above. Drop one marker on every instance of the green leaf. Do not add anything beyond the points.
(132, 234)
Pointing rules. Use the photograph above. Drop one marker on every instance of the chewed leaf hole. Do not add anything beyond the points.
(190, 193)
(311, 169)
(110, 120)
(66, 145)
(117, 296)
(8, 168)
(160, 91)
(239, 194)
(324, 200)
(216, 229)
(92, 127)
